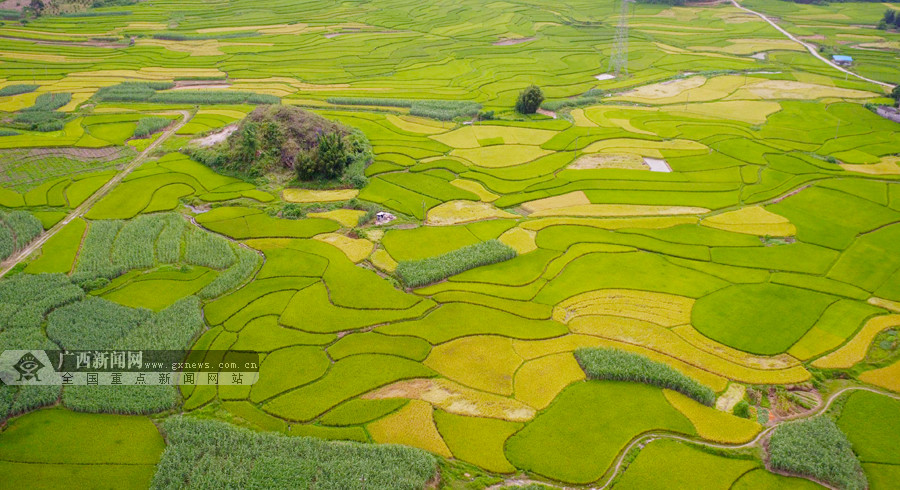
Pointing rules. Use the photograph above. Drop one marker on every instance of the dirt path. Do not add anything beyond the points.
(17, 257)
(812, 50)
(648, 437)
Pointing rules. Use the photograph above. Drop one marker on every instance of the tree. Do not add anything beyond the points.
(896, 94)
(530, 100)
(327, 160)
(889, 16)
(742, 409)
(332, 155)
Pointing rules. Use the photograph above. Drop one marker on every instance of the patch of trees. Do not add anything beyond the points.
(891, 19)
(529, 100)
(276, 137)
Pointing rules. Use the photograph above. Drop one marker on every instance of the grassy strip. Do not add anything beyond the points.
(149, 125)
(17, 89)
(444, 110)
(415, 273)
(209, 453)
(816, 447)
(614, 364)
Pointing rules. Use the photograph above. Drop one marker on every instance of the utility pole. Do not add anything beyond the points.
(618, 63)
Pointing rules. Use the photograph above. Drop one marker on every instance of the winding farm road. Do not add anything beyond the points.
(82, 208)
(652, 436)
(812, 49)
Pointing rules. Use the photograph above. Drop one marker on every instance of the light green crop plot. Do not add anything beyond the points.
(729, 208)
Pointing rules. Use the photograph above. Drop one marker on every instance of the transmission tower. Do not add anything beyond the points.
(618, 63)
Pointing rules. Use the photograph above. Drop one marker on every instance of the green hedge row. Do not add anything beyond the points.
(415, 273)
(618, 365)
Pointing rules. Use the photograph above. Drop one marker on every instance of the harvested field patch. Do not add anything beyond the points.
(453, 397)
(752, 220)
(456, 212)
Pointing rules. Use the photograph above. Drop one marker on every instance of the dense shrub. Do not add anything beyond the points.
(529, 100)
(327, 160)
(444, 110)
(8, 132)
(212, 454)
(17, 89)
(896, 93)
(415, 273)
(618, 365)
(287, 137)
(149, 125)
(742, 409)
(816, 447)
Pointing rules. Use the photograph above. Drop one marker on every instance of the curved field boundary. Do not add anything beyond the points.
(652, 436)
(14, 259)
(809, 48)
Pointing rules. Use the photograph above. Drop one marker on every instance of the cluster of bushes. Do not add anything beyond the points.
(591, 97)
(529, 100)
(213, 454)
(287, 137)
(156, 92)
(816, 447)
(443, 110)
(17, 89)
(149, 125)
(891, 19)
(415, 273)
(618, 365)
(17, 229)
(42, 116)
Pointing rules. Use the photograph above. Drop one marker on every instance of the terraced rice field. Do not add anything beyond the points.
(730, 209)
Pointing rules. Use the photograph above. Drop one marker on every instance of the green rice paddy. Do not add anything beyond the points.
(727, 211)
